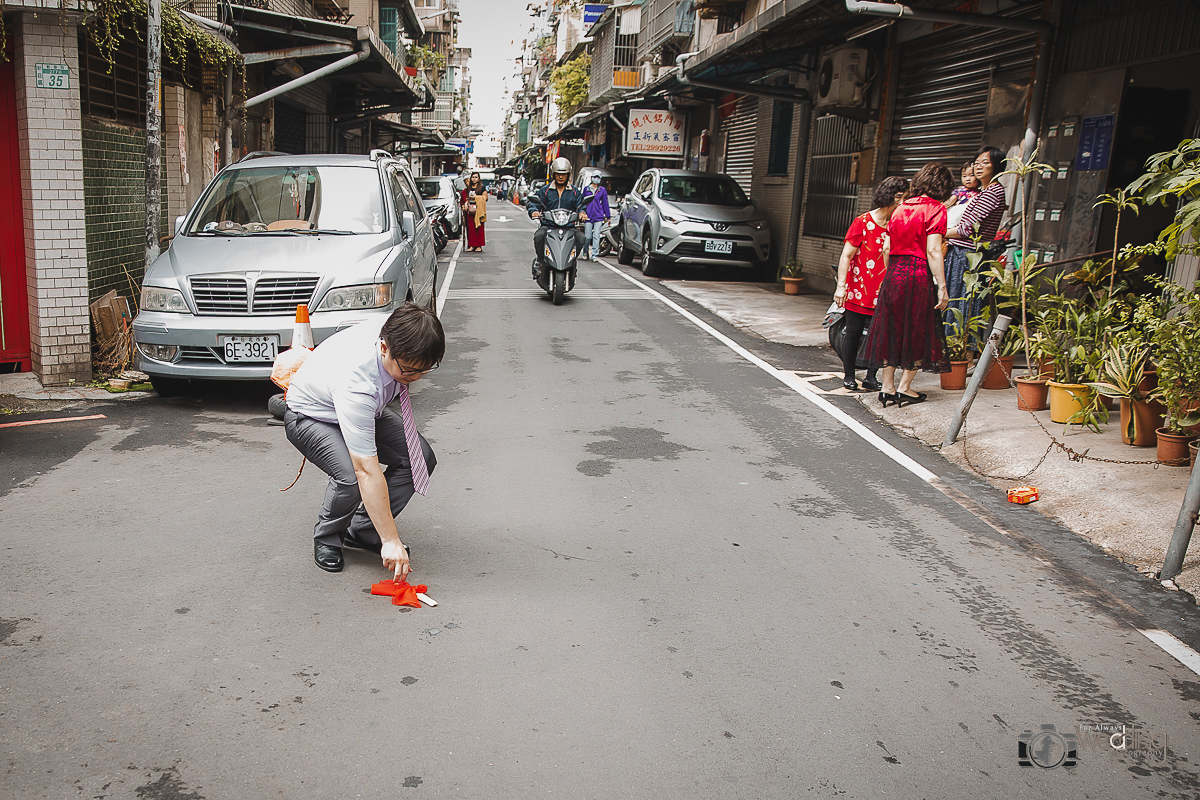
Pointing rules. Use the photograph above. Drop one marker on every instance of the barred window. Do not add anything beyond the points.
(832, 194)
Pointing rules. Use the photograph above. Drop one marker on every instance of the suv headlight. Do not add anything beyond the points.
(348, 298)
(757, 224)
(156, 299)
(671, 219)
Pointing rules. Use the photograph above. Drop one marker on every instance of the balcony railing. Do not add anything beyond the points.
(670, 20)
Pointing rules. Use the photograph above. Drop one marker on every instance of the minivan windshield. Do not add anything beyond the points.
(433, 188)
(708, 191)
(290, 200)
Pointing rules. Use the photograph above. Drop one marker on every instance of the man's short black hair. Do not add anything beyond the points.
(414, 334)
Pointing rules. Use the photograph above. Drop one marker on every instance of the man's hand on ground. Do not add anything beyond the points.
(395, 558)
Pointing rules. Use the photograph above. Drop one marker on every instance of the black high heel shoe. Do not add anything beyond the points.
(909, 399)
(886, 398)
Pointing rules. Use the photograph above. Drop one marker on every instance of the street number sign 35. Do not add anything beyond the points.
(53, 76)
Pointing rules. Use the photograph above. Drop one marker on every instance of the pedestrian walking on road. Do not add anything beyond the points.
(598, 215)
(339, 417)
(474, 203)
(906, 331)
(860, 274)
(974, 233)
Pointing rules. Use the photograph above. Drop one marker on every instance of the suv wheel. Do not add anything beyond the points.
(624, 254)
(651, 266)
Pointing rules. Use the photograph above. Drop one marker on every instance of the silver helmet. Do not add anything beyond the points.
(560, 165)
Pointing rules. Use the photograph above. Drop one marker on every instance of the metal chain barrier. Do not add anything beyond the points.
(1055, 444)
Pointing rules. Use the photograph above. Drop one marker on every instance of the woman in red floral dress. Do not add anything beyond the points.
(860, 273)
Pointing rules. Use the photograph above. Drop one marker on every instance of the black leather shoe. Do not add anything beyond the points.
(869, 385)
(354, 544)
(328, 558)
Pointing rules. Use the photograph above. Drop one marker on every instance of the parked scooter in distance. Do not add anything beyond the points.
(440, 227)
(561, 254)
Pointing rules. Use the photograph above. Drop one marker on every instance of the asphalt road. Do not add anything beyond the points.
(661, 572)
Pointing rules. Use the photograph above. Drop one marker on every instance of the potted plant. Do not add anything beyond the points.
(1124, 374)
(1001, 368)
(960, 340)
(1032, 392)
(1176, 340)
(1077, 361)
(791, 275)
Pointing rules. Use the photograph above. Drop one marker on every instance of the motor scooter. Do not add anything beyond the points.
(440, 227)
(560, 254)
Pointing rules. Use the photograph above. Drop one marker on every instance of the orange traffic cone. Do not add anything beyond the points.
(287, 362)
(302, 333)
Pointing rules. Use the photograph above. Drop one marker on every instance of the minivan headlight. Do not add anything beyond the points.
(157, 299)
(348, 298)
(758, 224)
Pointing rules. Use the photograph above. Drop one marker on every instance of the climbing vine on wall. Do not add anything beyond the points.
(106, 24)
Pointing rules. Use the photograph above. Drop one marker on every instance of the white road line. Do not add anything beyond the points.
(1182, 653)
(1169, 644)
(441, 301)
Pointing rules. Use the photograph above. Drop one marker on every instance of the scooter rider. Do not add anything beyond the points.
(559, 194)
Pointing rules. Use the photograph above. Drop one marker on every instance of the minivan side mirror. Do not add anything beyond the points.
(179, 223)
(646, 194)
(408, 224)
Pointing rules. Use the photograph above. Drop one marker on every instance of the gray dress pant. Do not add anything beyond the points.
(343, 514)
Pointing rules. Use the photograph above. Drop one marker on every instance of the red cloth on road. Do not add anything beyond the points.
(401, 592)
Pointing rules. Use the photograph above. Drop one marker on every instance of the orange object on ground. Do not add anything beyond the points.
(287, 362)
(401, 592)
(1023, 494)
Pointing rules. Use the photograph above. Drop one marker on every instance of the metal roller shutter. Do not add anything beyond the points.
(739, 142)
(942, 93)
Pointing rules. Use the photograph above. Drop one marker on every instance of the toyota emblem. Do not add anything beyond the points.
(720, 226)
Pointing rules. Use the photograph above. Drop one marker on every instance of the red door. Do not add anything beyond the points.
(14, 314)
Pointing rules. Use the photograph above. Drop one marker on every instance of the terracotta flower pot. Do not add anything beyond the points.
(1192, 446)
(792, 285)
(998, 372)
(1173, 447)
(1067, 399)
(956, 378)
(1140, 423)
(1149, 381)
(1032, 394)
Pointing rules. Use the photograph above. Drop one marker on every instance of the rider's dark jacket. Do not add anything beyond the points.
(548, 199)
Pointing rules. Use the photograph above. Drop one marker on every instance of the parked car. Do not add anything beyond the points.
(345, 234)
(439, 191)
(697, 219)
(617, 184)
(534, 188)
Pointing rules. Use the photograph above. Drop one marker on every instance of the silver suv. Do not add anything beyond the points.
(345, 234)
(697, 219)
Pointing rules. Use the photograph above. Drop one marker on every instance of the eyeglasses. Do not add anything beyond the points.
(406, 372)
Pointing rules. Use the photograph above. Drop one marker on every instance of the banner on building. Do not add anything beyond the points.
(593, 12)
(654, 133)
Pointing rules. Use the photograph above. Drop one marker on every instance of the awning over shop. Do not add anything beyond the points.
(317, 49)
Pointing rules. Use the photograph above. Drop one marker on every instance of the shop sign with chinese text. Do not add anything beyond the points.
(654, 133)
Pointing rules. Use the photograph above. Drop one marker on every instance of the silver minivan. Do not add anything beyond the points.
(439, 191)
(345, 234)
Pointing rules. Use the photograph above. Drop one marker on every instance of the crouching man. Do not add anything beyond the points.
(338, 415)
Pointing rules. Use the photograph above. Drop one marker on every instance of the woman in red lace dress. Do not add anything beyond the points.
(860, 274)
(906, 332)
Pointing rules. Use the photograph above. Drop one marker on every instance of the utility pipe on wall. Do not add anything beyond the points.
(798, 184)
(304, 80)
(153, 126)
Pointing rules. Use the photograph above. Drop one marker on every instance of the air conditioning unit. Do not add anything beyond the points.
(842, 80)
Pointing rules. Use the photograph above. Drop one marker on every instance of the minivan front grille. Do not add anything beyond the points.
(282, 295)
(220, 295)
(202, 354)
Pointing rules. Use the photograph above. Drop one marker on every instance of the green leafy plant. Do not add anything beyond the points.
(1122, 200)
(570, 83)
(425, 59)
(1176, 341)
(963, 334)
(1173, 178)
(1124, 370)
(1024, 169)
(794, 268)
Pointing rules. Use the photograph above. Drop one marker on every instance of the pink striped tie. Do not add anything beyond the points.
(416, 456)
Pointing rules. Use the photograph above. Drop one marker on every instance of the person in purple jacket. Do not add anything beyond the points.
(597, 216)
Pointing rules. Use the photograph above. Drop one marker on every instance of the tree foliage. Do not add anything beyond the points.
(570, 83)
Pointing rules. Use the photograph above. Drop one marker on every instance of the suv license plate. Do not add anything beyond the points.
(718, 246)
(239, 349)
